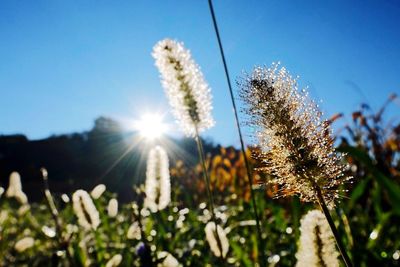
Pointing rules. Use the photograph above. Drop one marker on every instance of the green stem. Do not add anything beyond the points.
(98, 248)
(200, 149)
(339, 242)
(159, 218)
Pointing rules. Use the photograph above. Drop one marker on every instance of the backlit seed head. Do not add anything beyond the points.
(317, 244)
(211, 236)
(114, 261)
(134, 231)
(98, 191)
(15, 189)
(295, 144)
(158, 184)
(112, 208)
(24, 243)
(184, 84)
(85, 210)
(167, 260)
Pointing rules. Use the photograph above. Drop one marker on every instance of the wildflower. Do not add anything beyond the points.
(158, 185)
(296, 147)
(98, 191)
(317, 244)
(211, 236)
(24, 243)
(88, 216)
(114, 261)
(15, 188)
(134, 231)
(167, 260)
(187, 91)
(112, 208)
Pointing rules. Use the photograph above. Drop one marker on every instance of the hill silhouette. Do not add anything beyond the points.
(105, 154)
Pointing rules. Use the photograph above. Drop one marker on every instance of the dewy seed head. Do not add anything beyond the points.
(296, 146)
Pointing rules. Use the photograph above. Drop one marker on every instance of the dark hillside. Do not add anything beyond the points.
(82, 160)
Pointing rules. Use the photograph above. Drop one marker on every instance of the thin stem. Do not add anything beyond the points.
(159, 218)
(54, 212)
(339, 242)
(200, 149)
(246, 162)
(50, 201)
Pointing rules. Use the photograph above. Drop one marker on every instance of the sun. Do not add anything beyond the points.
(150, 126)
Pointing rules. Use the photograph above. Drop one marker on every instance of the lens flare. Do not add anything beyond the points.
(151, 126)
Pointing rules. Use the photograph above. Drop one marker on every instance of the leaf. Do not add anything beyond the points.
(392, 189)
(385, 218)
(358, 191)
(241, 255)
(296, 213)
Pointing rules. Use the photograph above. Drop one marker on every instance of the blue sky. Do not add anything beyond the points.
(64, 63)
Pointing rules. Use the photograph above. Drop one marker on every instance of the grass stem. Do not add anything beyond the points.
(335, 232)
(247, 165)
(208, 186)
(54, 213)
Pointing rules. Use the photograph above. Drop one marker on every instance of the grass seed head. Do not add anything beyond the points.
(188, 93)
(296, 145)
(158, 184)
(317, 244)
(112, 208)
(211, 232)
(85, 210)
(15, 189)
